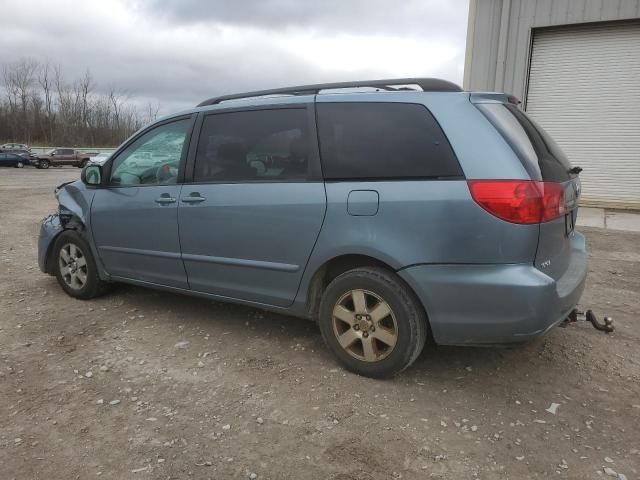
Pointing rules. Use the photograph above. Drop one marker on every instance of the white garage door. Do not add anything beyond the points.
(584, 89)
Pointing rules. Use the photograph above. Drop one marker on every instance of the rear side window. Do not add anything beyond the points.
(260, 145)
(539, 153)
(383, 140)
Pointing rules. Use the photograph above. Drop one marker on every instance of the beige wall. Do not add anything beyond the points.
(499, 35)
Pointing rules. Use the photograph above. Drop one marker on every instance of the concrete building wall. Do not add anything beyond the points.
(499, 35)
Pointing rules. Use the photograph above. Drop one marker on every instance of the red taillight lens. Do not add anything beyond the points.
(519, 201)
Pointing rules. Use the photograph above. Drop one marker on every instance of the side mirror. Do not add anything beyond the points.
(91, 175)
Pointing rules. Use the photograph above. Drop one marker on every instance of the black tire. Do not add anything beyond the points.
(43, 164)
(19, 164)
(93, 286)
(83, 163)
(408, 315)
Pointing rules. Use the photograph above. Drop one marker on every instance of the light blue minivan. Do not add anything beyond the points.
(388, 211)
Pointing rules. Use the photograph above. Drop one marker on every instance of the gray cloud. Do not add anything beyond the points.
(422, 17)
(178, 53)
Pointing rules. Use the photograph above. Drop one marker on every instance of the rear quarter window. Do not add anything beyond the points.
(539, 153)
(383, 141)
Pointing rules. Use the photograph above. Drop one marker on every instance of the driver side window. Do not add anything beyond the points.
(153, 158)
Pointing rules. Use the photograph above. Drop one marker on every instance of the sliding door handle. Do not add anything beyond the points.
(165, 198)
(194, 197)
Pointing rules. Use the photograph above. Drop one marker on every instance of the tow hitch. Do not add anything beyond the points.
(589, 316)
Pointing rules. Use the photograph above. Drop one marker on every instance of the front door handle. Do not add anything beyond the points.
(165, 198)
(194, 197)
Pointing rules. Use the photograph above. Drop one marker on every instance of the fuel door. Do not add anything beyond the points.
(363, 202)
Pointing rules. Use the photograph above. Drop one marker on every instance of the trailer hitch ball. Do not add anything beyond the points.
(605, 326)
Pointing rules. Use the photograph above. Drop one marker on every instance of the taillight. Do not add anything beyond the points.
(519, 201)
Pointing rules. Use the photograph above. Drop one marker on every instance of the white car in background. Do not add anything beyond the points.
(10, 147)
(99, 159)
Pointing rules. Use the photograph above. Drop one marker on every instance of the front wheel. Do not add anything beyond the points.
(372, 322)
(75, 268)
(19, 165)
(44, 164)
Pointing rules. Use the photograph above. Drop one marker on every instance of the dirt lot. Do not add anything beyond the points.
(103, 388)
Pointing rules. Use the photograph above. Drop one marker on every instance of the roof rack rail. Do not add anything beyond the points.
(427, 85)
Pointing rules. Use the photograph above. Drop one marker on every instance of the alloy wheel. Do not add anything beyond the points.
(73, 266)
(364, 325)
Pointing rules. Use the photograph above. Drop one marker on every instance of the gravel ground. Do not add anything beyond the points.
(142, 384)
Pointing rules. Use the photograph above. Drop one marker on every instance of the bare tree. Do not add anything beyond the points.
(46, 84)
(117, 99)
(114, 98)
(11, 90)
(23, 75)
(151, 112)
(39, 105)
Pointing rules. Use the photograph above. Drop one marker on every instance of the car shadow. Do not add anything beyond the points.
(439, 361)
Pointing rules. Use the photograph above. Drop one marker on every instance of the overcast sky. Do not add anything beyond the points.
(179, 52)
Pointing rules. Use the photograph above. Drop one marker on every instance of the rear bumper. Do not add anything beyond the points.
(497, 304)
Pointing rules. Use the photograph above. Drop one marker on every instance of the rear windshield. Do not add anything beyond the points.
(539, 153)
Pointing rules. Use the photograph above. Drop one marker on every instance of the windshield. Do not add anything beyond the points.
(51, 151)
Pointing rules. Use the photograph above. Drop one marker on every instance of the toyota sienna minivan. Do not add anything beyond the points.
(387, 211)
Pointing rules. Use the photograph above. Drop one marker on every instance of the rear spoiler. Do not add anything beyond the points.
(493, 97)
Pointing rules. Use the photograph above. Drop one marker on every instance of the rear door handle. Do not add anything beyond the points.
(194, 197)
(165, 198)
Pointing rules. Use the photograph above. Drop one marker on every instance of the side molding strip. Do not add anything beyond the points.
(239, 262)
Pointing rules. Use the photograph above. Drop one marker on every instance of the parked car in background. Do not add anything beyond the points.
(23, 153)
(58, 157)
(385, 216)
(10, 147)
(18, 149)
(13, 160)
(99, 159)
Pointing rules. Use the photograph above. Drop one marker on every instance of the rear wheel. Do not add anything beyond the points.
(19, 165)
(372, 322)
(75, 268)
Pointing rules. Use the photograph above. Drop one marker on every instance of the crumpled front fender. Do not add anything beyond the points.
(73, 214)
(75, 204)
(49, 230)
